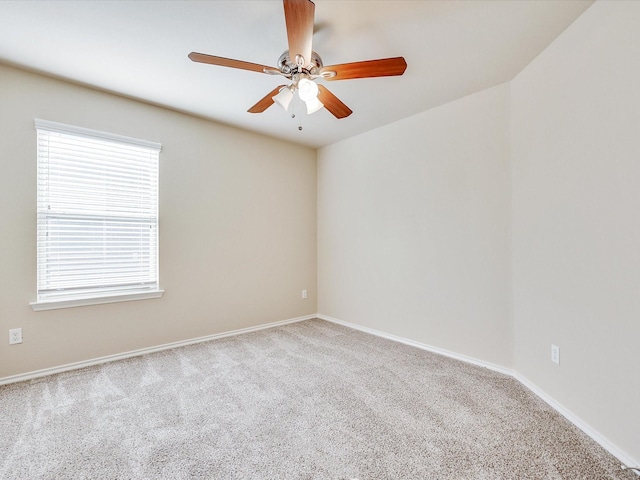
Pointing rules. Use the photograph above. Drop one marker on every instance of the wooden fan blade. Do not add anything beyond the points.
(227, 62)
(333, 103)
(384, 67)
(298, 15)
(265, 102)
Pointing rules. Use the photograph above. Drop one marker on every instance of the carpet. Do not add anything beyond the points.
(309, 400)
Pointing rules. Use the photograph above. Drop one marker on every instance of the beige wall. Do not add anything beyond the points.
(237, 228)
(413, 228)
(576, 220)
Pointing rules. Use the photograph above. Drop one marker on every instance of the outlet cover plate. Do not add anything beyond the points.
(15, 336)
(555, 354)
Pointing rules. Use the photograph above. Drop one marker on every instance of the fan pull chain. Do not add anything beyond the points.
(296, 108)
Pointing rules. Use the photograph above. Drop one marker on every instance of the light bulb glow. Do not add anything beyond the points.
(307, 89)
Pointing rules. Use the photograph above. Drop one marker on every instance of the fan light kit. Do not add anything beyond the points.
(302, 66)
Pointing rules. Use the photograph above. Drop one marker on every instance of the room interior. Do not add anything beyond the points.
(484, 211)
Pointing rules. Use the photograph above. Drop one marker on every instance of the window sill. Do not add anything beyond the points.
(81, 302)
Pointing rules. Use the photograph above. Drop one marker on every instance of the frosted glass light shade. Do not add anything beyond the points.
(283, 98)
(313, 105)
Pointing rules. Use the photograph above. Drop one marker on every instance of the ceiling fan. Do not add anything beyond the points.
(302, 66)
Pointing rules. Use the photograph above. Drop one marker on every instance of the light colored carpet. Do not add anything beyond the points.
(303, 401)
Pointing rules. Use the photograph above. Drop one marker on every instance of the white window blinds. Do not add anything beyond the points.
(97, 233)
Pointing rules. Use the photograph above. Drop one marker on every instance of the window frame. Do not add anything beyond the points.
(98, 294)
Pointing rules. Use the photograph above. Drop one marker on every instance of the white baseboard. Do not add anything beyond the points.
(422, 346)
(575, 420)
(578, 422)
(143, 351)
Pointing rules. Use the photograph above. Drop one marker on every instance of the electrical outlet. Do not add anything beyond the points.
(15, 336)
(304, 294)
(555, 354)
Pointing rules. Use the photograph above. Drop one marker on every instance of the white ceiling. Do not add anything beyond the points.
(139, 49)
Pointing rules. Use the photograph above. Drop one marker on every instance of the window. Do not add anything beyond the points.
(97, 231)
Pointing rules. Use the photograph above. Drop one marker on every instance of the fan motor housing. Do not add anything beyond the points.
(289, 67)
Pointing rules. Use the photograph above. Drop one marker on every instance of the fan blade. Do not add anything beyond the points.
(298, 15)
(228, 62)
(265, 102)
(333, 103)
(384, 67)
